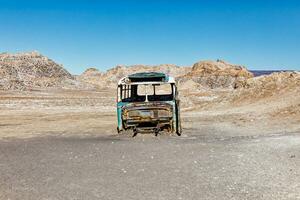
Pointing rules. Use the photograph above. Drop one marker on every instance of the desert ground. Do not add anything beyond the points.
(58, 137)
(63, 144)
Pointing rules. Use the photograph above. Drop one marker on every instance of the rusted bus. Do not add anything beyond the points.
(148, 102)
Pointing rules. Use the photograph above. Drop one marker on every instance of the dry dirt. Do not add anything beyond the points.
(63, 144)
(43, 112)
(58, 138)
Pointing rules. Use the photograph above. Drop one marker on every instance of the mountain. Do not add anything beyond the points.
(30, 70)
(217, 74)
(111, 77)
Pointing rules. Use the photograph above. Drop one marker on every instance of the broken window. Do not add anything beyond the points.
(143, 92)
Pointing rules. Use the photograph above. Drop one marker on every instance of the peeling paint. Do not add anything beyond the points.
(153, 112)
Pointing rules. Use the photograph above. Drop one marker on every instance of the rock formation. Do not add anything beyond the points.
(91, 76)
(111, 77)
(91, 72)
(205, 74)
(274, 84)
(30, 70)
(217, 74)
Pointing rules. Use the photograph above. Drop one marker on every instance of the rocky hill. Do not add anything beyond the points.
(217, 74)
(112, 76)
(30, 70)
(33, 70)
(275, 84)
(204, 74)
(280, 90)
(91, 72)
(91, 76)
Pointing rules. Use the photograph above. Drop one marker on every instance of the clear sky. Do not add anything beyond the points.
(259, 34)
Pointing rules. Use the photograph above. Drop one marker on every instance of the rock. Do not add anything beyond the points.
(269, 85)
(280, 87)
(30, 70)
(91, 76)
(217, 74)
(274, 81)
(111, 77)
(90, 72)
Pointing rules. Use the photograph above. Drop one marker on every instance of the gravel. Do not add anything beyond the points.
(198, 165)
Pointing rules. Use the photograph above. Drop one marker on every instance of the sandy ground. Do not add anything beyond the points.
(64, 145)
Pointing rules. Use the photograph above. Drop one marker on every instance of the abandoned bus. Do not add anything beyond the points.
(148, 102)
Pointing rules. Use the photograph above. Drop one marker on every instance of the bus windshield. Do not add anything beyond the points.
(146, 92)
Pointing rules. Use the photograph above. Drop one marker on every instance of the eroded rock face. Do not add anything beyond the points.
(275, 80)
(91, 76)
(90, 72)
(270, 85)
(111, 77)
(217, 74)
(33, 70)
(121, 71)
(273, 91)
(30, 70)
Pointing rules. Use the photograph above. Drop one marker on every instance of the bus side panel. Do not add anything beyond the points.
(119, 116)
(178, 118)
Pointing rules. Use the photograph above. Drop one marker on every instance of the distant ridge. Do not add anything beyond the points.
(266, 72)
(32, 70)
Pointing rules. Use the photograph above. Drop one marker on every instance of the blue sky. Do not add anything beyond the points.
(259, 34)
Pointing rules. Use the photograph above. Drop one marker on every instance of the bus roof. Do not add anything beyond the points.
(146, 78)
